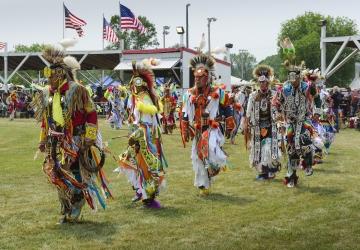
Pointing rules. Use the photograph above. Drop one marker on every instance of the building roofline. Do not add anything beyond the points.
(169, 50)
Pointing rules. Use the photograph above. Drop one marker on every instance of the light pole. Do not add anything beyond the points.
(242, 57)
(165, 32)
(180, 30)
(228, 46)
(187, 25)
(210, 19)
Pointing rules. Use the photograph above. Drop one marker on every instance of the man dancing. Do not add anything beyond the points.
(169, 105)
(69, 136)
(294, 100)
(201, 106)
(261, 123)
(143, 162)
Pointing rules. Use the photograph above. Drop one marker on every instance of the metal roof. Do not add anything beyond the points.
(102, 59)
(169, 50)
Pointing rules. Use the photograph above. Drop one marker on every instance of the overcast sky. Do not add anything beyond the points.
(251, 25)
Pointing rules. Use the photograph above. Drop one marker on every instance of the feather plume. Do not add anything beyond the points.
(263, 70)
(72, 63)
(68, 42)
(54, 54)
(203, 60)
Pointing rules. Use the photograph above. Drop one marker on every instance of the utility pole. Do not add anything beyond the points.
(242, 61)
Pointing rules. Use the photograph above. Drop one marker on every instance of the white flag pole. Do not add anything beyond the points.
(6, 67)
(121, 40)
(102, 33)
(63, 20)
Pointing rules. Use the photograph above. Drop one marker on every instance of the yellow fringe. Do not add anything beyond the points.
(146, 108)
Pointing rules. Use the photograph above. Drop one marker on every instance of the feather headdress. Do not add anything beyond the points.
(203, 61)
(263, 73)
(288, 48)
(56, 54)
(144, 71)
(312, 74)
(293, 67)
(290, 55)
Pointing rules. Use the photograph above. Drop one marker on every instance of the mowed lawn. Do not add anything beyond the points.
(323, 212)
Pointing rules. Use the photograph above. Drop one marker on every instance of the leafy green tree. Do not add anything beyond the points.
(133, 39)
(304, 32)
(242, 64)
(36, 47)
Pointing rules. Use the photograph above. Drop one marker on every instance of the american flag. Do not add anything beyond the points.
(129, 21)
(73, 22)
(2, 45)
(108, 33)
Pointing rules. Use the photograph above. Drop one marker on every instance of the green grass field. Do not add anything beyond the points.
(323, 212)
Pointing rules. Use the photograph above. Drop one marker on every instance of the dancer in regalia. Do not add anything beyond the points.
(201, 106)
(116, 97)
(12, 102)
(294, 100)
(143, 162)
(169, 105)
(261, 123)
(69, 136)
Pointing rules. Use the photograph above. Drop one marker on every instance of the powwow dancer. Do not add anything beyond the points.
(69, 136)
(294, 100)
(225, 115)
(261, 123)
(318, 137)
(237, 99)
(328, 123)
(143, 162)
(169, 106)
(201, 105)
(12, 102)
(327, 119)
(116, 97)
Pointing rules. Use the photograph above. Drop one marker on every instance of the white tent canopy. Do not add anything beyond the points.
(238, 82)
(235, 80)
(355, 84)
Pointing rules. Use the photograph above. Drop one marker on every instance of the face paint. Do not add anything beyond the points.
(201, 77)
(56, 76)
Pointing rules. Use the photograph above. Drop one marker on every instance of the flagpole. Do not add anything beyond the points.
(121, 72)
(63, 20)
(121, 40)
(6, 68)
(102, 33)
(120, 16)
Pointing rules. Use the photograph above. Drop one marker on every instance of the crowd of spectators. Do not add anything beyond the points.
(345, 103)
